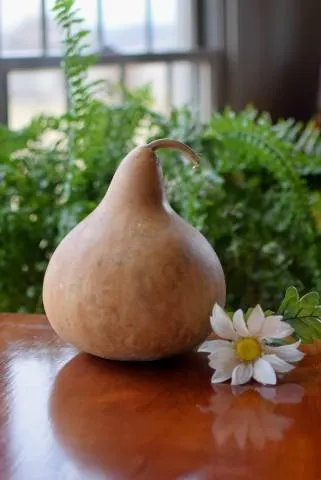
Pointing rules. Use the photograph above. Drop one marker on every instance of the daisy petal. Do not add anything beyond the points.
(263, 372)
(279, 365)
(255, 321)
(274, 328)
(239, 323)
(242, 374)
(224, 369)
(222, 324)
(284, 332)
(220, 376)
(289, 353)
(223, 358)
(213, 346)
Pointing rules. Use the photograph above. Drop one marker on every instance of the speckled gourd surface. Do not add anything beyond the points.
(133, 280)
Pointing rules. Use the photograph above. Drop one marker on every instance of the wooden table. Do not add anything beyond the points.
(70, 416)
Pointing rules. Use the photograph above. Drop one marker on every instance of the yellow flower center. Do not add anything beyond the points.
(248, 349)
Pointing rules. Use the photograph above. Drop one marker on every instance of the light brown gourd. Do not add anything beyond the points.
(133, 280)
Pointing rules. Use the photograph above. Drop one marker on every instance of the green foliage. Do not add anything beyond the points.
(256, 196)
(251, 201)
(33, 202)
(88, 126)
(303, 314)
(47, 189)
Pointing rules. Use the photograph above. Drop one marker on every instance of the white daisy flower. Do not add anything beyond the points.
(244, 351)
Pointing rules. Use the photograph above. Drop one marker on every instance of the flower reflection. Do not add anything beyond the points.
(247, 413)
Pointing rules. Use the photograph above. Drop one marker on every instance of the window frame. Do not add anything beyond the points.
(203, 52)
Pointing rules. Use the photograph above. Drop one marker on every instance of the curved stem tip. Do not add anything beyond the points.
(176, 145)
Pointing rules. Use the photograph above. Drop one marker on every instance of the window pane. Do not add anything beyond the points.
(192, 85)
(154, 74)
(182, 84)
(32, 93)
(207, 101)
(54, 36)
(172, 25)
(20, 27)
(124, 25)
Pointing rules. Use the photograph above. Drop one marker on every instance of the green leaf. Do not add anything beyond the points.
(311, 298)
(308, 329)
(303, 314)
(291, 297)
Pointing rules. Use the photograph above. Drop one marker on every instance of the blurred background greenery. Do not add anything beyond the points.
(256, 196)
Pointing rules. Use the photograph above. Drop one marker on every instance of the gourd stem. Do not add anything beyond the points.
(175, 144)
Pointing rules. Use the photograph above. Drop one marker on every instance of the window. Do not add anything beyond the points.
(20, 28)
(139, 42)
(31, 93)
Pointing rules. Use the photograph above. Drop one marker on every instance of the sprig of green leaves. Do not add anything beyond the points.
(303, 314)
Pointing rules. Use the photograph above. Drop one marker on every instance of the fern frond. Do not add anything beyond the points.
(254, 143)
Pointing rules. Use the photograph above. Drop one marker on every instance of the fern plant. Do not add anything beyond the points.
(256, 196)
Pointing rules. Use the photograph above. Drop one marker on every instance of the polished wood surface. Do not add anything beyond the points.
(70, 416)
